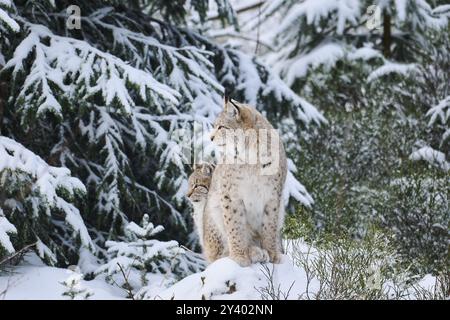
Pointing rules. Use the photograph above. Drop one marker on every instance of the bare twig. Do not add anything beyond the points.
(241, 10)
(9, 284)
(257, 31)
(3, 293)
(271, 291)
(127, 286)
(233, 34)
(19, 254)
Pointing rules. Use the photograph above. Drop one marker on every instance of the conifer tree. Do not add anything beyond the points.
(379, 71)
(36, 206)
(133, 263)
(106, 99)
(312, 34)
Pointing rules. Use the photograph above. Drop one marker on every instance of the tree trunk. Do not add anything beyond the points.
(134, 4)
(387, 38)
(3, 99)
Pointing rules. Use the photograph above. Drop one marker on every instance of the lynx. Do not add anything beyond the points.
(244, 204)
(211, 240)
(213, 243)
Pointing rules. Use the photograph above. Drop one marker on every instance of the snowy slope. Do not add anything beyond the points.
(34, 280)
(225, 279)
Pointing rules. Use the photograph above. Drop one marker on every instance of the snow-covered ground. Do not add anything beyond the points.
(223, 279)
(36, 281)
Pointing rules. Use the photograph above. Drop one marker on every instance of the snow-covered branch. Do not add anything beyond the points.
(90, 70)
(44, 188)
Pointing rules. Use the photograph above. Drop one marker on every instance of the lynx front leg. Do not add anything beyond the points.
(214, 246)
(235, 227)
(271, 230)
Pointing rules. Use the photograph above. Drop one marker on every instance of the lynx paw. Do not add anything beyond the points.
(258, 255)
(275, 257)
(243, 261)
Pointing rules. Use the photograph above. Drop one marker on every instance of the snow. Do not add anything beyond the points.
(14, 156)
(431, 156)
(248, 78)
(44, 251)
(391, 67)
(430, 18)
(191, 72)
(364, 53)
(146, 261)
(326, 55)
(33, 280)
(6, 3)
(225, 279)
(401, 9)
(5, 18)
(293, 188)
(175, 80)
(296, 52)
(5, 228)
(176, 84)
(428, 282)
(68, 57)
(419, 13)
(47, 180)
(443, 9)
(440, 112)
(148, 230)
(315, 10)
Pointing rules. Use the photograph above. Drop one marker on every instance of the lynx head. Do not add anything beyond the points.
(228, 119)
(199, 182)
(235, 120)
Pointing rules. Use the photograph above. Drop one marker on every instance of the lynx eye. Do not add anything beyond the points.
(221, 127)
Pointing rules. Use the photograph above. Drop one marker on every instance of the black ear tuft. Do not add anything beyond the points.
(211, 167)
(227, 95)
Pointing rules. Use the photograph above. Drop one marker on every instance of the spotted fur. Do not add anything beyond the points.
(245, 204)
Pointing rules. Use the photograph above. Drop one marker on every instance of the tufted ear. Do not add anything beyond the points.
(226, 95)
(209, 167)
(232, 109)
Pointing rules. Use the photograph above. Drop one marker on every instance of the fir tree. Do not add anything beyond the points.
(105, 101)
(312, 33)
(133, 263)
(73, 287)
(379, 72)
(35, 198)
